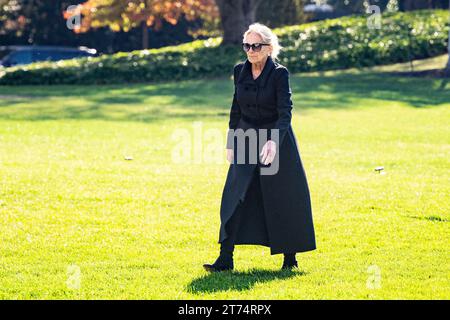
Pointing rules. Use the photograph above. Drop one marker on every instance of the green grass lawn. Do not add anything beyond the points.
(78, 221)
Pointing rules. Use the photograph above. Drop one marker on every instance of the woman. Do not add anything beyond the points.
(264, 202)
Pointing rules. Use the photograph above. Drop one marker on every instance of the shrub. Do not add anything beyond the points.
(324, 45)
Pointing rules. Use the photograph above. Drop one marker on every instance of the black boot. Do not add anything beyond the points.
(289, 262)
(223, 263)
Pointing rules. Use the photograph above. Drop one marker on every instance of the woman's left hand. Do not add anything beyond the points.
(268, 152)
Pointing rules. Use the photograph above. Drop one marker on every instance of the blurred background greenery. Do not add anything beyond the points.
(202, 40)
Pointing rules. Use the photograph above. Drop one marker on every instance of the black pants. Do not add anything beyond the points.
(227, 245)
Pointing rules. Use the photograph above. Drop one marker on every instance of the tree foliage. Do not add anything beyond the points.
(124, 15)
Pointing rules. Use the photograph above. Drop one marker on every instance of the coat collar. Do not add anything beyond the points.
(245, 76)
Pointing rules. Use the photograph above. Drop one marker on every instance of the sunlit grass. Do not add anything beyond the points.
(142, 228)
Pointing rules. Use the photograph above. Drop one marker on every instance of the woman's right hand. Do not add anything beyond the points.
(230, 155)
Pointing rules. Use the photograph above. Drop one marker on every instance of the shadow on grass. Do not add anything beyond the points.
(240, 281)
(433, 218)
(199, 99)
(343, 90)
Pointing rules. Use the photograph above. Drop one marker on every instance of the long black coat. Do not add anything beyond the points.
(276, 209)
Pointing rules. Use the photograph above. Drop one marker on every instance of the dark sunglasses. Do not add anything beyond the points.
(255, 46)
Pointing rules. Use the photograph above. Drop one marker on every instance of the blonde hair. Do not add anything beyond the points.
(267, 36)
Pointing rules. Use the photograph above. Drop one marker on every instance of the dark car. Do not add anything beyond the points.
(20, 55)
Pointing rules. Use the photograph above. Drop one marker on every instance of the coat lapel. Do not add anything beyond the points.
(245, 76)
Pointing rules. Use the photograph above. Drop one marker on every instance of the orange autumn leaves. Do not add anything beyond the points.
(127, 14)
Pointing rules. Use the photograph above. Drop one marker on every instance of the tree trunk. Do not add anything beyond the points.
(144, 35)
(447, 68)
(236, 16)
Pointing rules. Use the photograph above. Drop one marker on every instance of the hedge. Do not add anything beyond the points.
(324, 45)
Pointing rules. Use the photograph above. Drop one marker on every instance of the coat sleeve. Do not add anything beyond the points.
(235, 112)
(284, 103)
